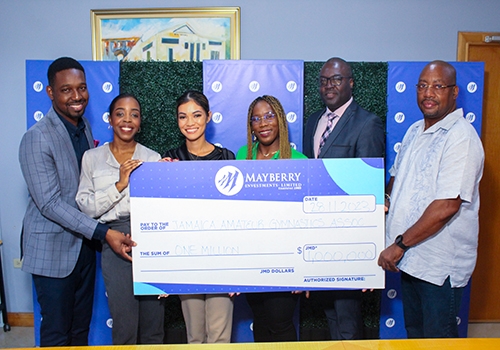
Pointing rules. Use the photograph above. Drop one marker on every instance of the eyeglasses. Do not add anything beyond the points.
(436, 87)
(268, 117)
(336, 80)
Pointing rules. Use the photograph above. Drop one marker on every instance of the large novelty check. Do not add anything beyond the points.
(250, 226)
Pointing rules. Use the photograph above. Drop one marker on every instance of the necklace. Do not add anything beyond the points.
(268, 154)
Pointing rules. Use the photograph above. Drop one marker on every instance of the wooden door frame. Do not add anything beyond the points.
(465, 39)
(467, 42)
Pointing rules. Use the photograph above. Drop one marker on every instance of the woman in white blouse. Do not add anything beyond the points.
(104, 194)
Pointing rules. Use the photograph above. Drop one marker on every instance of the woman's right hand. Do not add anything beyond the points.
(126, 169)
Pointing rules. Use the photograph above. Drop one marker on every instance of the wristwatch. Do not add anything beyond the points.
(399, 243)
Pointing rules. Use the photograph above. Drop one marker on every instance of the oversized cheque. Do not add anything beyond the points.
(247, 226)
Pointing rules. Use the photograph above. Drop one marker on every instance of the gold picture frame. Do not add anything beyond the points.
(166, 34)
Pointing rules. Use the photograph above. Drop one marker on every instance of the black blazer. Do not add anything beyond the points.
(358, 134)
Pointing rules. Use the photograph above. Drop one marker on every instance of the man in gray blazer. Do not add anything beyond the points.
(342, 130)
(56, 240)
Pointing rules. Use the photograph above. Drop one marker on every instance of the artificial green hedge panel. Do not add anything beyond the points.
(370, 87)
(158, 84)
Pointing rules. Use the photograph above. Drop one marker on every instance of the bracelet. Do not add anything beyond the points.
(388, 197)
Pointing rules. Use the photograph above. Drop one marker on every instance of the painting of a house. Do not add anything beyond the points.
(172, 39)
(180, 43)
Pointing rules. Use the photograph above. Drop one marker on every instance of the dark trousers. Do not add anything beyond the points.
(136, 319)
(343, 313)
(66, 303)
(273, 316)
(430, 311)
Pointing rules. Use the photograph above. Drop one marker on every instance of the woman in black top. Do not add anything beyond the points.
(208, 317)
(193, 115)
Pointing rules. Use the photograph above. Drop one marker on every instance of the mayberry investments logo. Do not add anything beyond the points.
(38, 115)
(291, 86)
(254, 86)
(107, 87)
(38, 86)
(472, 87)
(216, 86)
(392, 293)
(291, 117)
(399, 117)
(400, 86)
(105, 117)
(470, 117)
(217, 117)
(229, 180)
(397, 147)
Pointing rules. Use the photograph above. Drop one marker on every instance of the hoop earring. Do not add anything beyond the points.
(110, 127)
(138, 131)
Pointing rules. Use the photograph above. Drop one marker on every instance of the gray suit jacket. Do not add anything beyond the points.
(358, 134)
(53, 225)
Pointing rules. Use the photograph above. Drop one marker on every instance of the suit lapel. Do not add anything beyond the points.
(63, 140)
(348, 114)
(314, 129)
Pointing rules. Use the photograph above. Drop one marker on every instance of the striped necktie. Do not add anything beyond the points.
(329, 128)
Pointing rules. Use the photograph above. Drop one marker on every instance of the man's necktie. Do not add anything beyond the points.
(329, 128)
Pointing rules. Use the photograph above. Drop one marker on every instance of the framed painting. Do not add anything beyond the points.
(166, 34)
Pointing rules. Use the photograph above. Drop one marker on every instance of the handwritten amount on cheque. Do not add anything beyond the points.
(310, 253)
